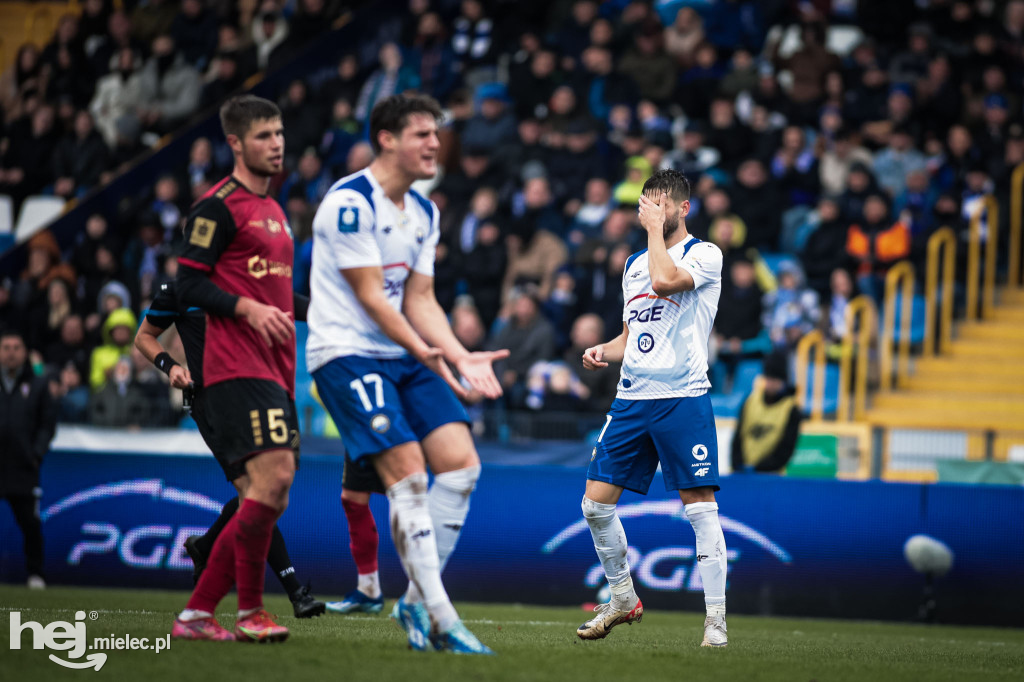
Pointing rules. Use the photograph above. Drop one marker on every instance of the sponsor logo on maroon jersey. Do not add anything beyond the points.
(260, 267)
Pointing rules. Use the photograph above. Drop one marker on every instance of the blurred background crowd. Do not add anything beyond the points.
(824, 141)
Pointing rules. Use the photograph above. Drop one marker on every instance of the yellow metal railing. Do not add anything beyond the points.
(990, 207)
(39, 25)
(861, 321)
(1016, 208)
(941, 251)
(901, 274)
(811, 341)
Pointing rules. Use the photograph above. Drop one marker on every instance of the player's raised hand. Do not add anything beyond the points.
(270, 322)
(477, 368)
(180, 377)
(592, 358)
(433, 358)
(652, 213)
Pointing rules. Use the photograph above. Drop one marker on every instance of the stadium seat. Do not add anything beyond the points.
(301, 336)
(743, 379)
(718, 376)
(36, 213)
(917, 310)
(774, 260)
(831, 397)
(6, 214)
(727, 406)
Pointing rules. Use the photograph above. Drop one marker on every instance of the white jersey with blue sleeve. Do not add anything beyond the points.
(357, 226)
(667, 349)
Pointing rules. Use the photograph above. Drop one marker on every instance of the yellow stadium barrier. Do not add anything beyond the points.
(941, 250)
(990, 205)
(900, 274)
(39, 25)
(861, 320)
(1016, 199)
(811, 341)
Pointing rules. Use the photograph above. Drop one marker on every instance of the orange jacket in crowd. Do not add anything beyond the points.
(876, 251)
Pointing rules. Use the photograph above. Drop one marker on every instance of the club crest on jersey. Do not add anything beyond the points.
(419, 236)
(380, 423)
(645, 342)
(700, 452)
(348, 219)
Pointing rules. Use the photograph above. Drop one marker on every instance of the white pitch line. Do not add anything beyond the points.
(141, 612)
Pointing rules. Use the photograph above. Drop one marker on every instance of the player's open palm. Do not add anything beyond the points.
(478, 369)
(433, 358)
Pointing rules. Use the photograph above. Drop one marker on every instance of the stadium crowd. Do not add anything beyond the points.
(824, 141)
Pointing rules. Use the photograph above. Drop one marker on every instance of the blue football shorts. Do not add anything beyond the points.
(638, 434)
(378, 403)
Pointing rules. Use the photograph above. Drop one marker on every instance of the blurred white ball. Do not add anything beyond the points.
(928, 555)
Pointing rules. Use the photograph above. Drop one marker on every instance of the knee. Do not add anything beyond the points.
(281, 481)
(460, 481)
(413, 486)
(354, 496)
(278, 481)
(596, 510)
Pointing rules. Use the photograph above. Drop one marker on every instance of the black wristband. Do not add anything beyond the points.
(165, 362)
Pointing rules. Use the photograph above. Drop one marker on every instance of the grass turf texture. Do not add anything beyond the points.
(532, 643)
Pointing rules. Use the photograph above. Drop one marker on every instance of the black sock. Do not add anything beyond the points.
(205, 543)
(281, 564)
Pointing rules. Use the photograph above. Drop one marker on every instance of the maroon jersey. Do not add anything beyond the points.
(243, 240)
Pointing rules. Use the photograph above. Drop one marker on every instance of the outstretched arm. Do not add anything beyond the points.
(426, 316)
(368, 285)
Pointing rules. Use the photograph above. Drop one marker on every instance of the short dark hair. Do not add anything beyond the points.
(239, 113)
(670, 181)
(392, 114)
(11, 332)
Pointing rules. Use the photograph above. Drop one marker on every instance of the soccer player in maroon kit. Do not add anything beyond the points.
(237, 266)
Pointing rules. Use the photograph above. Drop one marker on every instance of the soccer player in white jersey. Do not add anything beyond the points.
(378, 346)
(662, 411)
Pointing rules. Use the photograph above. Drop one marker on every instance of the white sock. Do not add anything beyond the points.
(449, 505)
(711, 557)
(369, 584)
(245, 613)
(610, 543)
(448, 501)
(413, 535)
(193, 614)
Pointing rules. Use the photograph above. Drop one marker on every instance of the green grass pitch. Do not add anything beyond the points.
(532, 643)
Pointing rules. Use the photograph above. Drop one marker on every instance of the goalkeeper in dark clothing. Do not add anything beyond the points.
(167, 310)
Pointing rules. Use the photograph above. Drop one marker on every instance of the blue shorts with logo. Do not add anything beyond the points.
(378, 403)
(678, 432)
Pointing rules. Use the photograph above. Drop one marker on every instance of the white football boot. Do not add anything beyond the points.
(715, 632)
(608, 617)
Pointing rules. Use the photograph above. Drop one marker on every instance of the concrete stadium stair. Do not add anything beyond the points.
(977, 385)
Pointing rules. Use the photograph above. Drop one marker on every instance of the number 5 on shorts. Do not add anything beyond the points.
(378, 392)
(277, 427)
